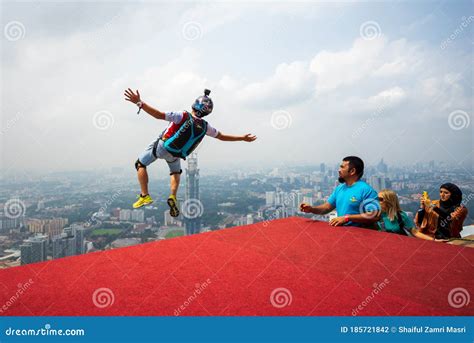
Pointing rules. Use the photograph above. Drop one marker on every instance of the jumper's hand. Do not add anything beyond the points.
(132, 97)
(338, 221)
(249, 137)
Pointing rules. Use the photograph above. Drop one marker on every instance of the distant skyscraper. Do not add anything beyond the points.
(125, 215)
(382, 167)
(192, 225)
(34, 249)
(270, 198)
(322, 168)
(379, 182)
(138, 216)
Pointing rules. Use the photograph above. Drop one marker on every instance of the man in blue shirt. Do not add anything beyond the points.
(355, 201)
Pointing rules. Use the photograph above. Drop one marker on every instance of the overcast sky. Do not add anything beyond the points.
(314, 81)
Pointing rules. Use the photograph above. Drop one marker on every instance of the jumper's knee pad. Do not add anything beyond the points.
(139, 165)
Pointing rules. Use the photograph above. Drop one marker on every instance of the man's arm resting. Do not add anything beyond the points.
(321, 209)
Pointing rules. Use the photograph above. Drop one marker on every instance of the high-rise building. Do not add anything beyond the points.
(169, 220)
(382, 167)
(250, 219)
(64, 245)
(270, 198)
(322, 168)
(125, 215)
(34, 249)
(192, 223)
(138, 216)
(379, 182)
(79, 232)
(7, 224)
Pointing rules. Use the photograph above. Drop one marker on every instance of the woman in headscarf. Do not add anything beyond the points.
(441, 219)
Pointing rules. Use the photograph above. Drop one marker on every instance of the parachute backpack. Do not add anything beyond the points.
(193, 130)
(187, 138)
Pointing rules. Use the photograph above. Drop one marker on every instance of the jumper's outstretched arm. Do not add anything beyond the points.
(135, 98)
(229, 138)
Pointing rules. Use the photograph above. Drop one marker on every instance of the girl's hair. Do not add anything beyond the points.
(390, 199)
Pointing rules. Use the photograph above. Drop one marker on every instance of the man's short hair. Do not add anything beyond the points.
(356, 163)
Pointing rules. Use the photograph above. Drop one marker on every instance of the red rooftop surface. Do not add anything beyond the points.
(286, 267)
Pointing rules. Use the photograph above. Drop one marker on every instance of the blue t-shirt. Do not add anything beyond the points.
(355, 199)
(385, 224)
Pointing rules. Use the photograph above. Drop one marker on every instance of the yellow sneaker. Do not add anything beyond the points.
(142, 201)
(173, 204)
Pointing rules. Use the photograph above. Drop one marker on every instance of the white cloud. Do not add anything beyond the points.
(290, 83)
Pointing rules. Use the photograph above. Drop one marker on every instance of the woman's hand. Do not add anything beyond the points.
(132, 97)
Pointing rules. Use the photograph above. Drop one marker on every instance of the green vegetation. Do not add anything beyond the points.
(105, 232)
(176, 233)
